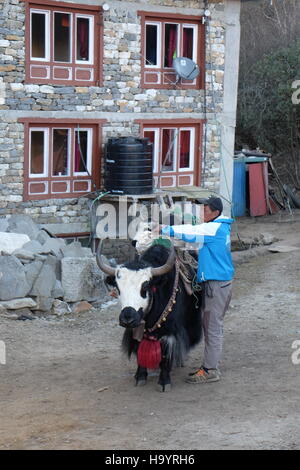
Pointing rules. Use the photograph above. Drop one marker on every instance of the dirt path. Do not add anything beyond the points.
(65, 384)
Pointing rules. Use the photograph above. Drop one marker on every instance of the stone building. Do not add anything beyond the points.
(73, 74)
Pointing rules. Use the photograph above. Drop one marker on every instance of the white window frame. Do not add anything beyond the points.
(175, 149)
(158, 41)
(156, 150)
(69, 173)
(46, 13)
(89, 151)
(192, 149)
(71, 15)
(91, 39)
(195, 38)
(45, 130)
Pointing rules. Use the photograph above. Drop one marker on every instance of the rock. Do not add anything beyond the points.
(19, 223)
(13, 282)
(44, 304)
(15, 304)
(82, 306)
(3, 225)
(45, 282)
(53, 245)
(10, 242)
(80, 279)
(33, 246)
(267, 238)
(60, 308)
(75, 250)
(42, 236)
(32, 271)
(23, 254)
(58, 290)
(2, 310)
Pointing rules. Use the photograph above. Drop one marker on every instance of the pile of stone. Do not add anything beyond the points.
(41, 273)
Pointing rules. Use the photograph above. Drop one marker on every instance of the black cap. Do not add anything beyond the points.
(215, 203)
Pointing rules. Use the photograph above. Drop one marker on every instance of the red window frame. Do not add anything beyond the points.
(73, 72)
(73, 184)
(177, 176)
(165, 77)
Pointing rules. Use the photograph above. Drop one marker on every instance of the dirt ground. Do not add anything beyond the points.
(65, 384)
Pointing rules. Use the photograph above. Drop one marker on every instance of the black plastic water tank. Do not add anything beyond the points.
(128, 166)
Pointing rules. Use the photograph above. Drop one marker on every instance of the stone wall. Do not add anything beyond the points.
(120, 100)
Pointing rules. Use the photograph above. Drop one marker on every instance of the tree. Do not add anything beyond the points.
(266, 115)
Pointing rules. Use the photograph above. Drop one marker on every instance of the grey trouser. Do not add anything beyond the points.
(216, 302)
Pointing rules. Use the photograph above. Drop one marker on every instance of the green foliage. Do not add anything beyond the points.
(266, 116)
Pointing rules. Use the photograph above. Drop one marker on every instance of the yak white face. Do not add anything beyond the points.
(132, 285)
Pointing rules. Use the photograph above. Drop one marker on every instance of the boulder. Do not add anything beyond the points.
(80, 279)
(82, 306)
(9, 242)
(23, 255)
(76, 250)
(33, 246)
(3, 225)
(54, 246)
(13, 282)
(32, 271)
(19, 223)
(44, 304)
(15, 304)
(58, 291)
(45, 282)
(60, 308)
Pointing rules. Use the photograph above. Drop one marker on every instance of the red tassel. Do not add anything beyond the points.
(149, 353)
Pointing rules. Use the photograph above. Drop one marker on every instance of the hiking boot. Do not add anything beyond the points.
(202, 377)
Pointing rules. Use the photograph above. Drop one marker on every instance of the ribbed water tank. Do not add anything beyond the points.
(128, 166)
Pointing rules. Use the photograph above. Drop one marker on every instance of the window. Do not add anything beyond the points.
(62, 43)
(176, 151)
(164, 39)
(61, 158)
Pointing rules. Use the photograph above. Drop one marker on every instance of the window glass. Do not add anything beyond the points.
(62, 42)
(171, 41)
(61, 152)
(81, 151)
(184, 149)
(37, 146)
(188, 41)
(151, 45)
(38, 35)
(83, 39)
(168, 150)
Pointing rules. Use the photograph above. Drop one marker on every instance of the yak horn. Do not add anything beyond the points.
(165, 268)
(103, 266)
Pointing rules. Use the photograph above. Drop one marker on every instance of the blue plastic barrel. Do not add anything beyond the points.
(239, 189)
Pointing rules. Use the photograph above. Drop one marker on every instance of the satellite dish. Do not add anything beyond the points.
(186, 68)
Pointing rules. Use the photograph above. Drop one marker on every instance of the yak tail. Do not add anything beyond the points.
(129, 344)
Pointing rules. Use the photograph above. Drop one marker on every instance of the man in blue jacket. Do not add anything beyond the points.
(215, 273)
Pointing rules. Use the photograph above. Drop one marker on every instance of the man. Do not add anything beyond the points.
(215, 273)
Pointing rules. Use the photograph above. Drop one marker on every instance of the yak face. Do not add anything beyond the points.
(134, 295)
(134, 280)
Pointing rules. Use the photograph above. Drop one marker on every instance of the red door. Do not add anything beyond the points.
(258, 188)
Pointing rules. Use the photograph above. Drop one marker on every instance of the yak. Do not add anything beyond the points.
(161, 320)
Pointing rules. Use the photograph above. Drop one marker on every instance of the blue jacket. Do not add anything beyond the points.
(214, 258)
